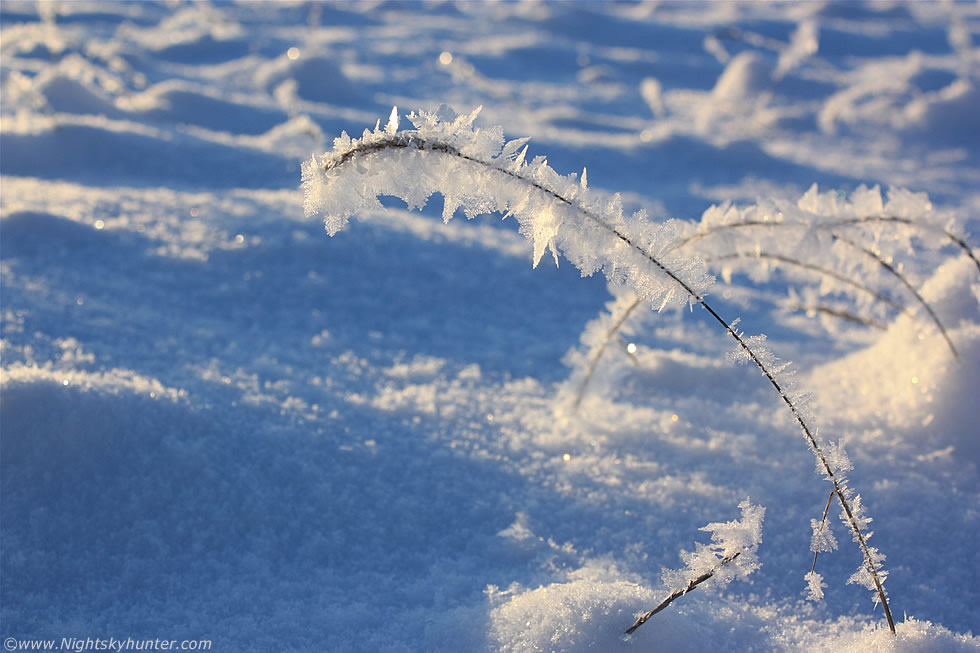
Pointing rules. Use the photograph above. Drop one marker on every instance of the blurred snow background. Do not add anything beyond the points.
(217, 422)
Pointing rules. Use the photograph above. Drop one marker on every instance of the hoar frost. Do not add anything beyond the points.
(815, 586)
(475, 170)
(730, 555)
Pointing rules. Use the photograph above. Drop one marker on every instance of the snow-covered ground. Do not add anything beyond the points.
(218, 423)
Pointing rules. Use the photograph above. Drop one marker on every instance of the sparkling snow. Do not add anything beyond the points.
(217, 422)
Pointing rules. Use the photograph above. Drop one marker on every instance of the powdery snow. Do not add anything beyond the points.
(219, 423)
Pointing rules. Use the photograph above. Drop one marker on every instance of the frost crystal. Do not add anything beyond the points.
(848, 250)
(837, 459)
(731, 554)
(476, 171)
(823, 539)
(815, 586)
(863, 574)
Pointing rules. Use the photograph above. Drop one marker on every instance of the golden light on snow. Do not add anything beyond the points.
(293, 53)
(445, 58)
(567, 457)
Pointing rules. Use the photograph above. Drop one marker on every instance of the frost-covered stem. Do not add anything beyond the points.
(815, 268)
(404, 141)
(613, 330)
(891, 269)
(410, 140)
(823, 525)
(844, 315)
(867, 252)
(864, 549)
(953, 238)
(625, 315)
(811, 439)
(618, 324)
(681, 592)
(817, 451)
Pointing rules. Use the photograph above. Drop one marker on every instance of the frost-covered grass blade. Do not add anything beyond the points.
(446, 153)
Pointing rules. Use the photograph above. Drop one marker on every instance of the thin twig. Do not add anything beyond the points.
(598, 354)
(617, 325)
(834, 312)
(823, 524)
(815, 268)
(867, 252)
(957, 240)
(953, 238)
(891, 270)
(844, 315)
(679, 593)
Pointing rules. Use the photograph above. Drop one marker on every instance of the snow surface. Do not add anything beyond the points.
(219, 423)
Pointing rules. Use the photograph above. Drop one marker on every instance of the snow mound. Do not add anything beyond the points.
(591, 611)
(913, 636)
(909, 381)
